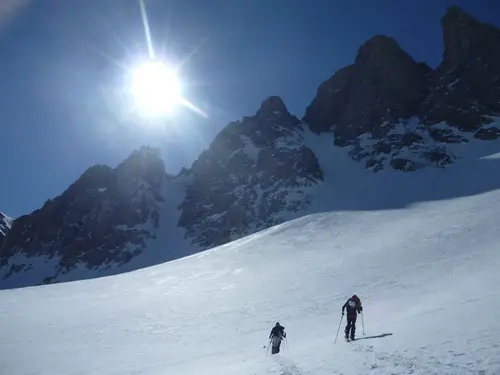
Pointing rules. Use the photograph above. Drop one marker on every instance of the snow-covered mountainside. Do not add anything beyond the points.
(426, 273)
(255, 174)
(5, 225)
(104, 220)
(385, 113)
(390, 110)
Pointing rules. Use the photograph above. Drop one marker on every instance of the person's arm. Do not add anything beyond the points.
(344, 307)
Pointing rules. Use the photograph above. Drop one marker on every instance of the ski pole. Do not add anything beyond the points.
(287, 347)
(338, 329)
(363, 323)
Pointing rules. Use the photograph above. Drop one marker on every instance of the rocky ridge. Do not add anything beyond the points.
(103, 220)
(387, 110)
(255, 172)
(393, 111)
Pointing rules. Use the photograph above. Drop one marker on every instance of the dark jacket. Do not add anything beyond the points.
(352, 310)
(278, 330)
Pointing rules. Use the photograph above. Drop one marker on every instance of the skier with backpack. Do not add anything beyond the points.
(353, 307)
(277, 334)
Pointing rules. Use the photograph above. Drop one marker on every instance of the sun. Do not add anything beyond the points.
(156, 89)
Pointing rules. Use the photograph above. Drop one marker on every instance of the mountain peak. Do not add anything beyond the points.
(380, 41)
(381, 50)
(142, 158)
(273, 106)
(383, 85)
(145, 152)
(466, 38)
(456, 14)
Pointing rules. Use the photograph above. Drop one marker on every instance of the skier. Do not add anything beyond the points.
(353, 307)
(277, 334)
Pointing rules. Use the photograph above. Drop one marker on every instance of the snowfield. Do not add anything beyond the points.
(427, 277)
(421, 250)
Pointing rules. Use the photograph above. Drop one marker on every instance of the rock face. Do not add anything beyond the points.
(254, 173)
(392, 111)
(5, 225)
(383, 85)
(102, 220)
(465, 89)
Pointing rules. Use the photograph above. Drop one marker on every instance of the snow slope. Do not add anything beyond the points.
(420, 249)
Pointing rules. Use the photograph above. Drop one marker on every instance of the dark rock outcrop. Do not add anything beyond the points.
(254, 173)
(384, 85)
(5, 225)
(386, 104)
(104, 219)
(327, 108)
(465, 89)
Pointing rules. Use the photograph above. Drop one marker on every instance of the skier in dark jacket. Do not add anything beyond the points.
(277, 334)
(353, 307)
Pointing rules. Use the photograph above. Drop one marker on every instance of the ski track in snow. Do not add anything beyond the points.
(426, 271)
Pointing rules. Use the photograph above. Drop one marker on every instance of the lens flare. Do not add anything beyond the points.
(156, 89)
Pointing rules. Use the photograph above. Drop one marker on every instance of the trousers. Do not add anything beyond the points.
(350, 328)
(276, 343)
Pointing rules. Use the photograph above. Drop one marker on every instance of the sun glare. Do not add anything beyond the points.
(156, 89)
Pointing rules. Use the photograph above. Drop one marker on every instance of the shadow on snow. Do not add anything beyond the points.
(375, 337)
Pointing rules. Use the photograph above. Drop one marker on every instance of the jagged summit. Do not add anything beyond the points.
(254, 171)
(380, 49)
(457, 16)
(384, 84)
(142, 156)
(102, 221)
(465, 89)
(466, 39)
(146, 152)
(273, 106)
(386, 104)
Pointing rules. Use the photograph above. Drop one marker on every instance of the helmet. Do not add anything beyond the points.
(355, 297)
(277, 324)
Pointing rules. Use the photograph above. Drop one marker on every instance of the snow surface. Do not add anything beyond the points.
(420, 249)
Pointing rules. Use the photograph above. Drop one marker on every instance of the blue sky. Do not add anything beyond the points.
(61, 107)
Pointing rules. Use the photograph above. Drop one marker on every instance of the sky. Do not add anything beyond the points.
(63, 69)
